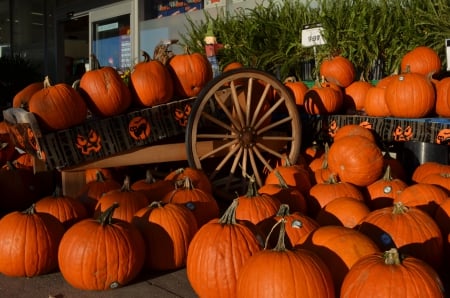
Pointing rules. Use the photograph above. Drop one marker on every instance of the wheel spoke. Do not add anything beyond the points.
(236, 105)
(263, 160)
(248, 102)
(227, 157)
(216, 136)
(227, 111)
(261, 102)
(269, 112)
(267, 149)
(218, 149)
(218, 122)
(273, 125)
(244, 163)
(254, 166)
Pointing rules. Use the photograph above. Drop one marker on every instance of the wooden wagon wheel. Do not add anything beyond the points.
(241, 124)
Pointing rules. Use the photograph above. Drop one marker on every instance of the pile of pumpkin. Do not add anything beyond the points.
(103, 92)
(415, 92)
(344, 221)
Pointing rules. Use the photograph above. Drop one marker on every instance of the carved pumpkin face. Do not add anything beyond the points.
(32, 139)
(366, 124)
(139, 128)
(443, 136)
(332, 128)
(89, 144)
(182, 115)
(401, 134)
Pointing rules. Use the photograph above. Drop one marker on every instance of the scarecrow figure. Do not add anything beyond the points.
(212, 48)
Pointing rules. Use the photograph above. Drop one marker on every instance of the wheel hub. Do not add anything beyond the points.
(247, 137)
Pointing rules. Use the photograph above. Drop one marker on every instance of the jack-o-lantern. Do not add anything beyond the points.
(32, 140)
(403, 134)
(90, 143)
(182, 115)
(443, 137)
(139, 128)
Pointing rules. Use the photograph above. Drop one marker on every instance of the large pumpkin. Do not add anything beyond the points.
(410, 95)
(392, 275)
(167, 230)
(29, 243)
(151, 82)
(217, 253)
(190, 73)
(443, 97)
(423, 60)
(278, 267)
(340, 248)
(356, 159)
(57, 107)
(338, 70)
(409, 229)
(92, 251)
(105, 92)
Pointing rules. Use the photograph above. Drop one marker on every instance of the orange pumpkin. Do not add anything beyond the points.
(375, 102)
(354, 130)
(426, 197)
(323, 98)
(391, 274)
(298, 89)
(355, 96)
(356, 160)
(190, 73)
(410, 95)
(151, 82)
(343, 211)
(57, 107)
(338, 70)
(422, 60)
(443, 97)
(409, 229)
(21, 99)
(105, 92)
(29, 243)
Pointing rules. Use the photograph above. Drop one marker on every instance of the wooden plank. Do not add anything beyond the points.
(72, 182)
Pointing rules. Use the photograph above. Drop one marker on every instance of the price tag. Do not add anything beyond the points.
(312, 35)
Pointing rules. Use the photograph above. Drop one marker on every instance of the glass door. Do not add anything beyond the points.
(113, 34)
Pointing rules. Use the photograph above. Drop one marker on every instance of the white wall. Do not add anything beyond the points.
(154, 30)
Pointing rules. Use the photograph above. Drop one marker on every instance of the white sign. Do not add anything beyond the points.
(447, 47)
(312, 35)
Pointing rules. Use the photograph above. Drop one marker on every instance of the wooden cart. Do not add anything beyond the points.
(240, 125)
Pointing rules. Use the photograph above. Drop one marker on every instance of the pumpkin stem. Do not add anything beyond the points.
(156, 204)
(146, 56)
(186, 183)
(99, 176)
(399, 208)
(281, 180)
(281, 246)
(333, 179)
(387, 174)
(149, 177)
(392, 257)
(283, 210)
(47, 82)
(126, 184)
(229, 217)
(105, 218)
(252, 190)
(30, 210)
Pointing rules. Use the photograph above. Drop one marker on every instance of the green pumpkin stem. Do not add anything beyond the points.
(156, 204)
(105, 217)
(387, 174)
(281, 180)
(126, 186)
(399, 208)
(47, 82)
(252, 190)
(229, 217)
(281, 246)
(149, 177)
(283, 210)
(146, 56)
(99, 176)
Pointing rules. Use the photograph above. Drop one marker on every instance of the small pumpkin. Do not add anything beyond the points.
(129, 201)
(355, 96)
(343, 211)
(339, 70)
(375, 102)
(21, 99)
(323, 98)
